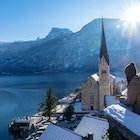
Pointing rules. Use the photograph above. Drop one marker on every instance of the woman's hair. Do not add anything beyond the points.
(130, 71)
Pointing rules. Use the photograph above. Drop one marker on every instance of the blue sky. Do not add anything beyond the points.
(29, 19)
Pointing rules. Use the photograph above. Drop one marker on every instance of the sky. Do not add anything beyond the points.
(29, 19)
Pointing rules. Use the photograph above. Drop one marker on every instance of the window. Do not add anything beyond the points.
(103, 71)
(91, 99)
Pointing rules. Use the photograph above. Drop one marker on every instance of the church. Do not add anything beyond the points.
(100, 84)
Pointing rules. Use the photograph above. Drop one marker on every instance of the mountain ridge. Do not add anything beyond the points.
(65, 51)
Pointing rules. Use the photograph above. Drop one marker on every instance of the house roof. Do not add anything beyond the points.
(67, 99)
(60, 108)
(112, 77)
(110, 99)
(22, 121)
(97, 126)
(54, 132)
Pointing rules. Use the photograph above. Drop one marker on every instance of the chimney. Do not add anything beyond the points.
(90, 136)
(84, 137)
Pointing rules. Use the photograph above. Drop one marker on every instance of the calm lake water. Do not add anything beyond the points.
(20, 95)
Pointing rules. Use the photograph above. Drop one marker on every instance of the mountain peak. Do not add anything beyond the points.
(63, 50)
(58, 32)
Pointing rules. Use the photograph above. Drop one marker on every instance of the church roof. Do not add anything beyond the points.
(112, 78)
(103, 48)
(96, 77)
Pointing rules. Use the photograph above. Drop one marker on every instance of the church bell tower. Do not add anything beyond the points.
(104, 72)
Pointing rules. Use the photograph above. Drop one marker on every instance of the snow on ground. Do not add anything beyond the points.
(77, 107)
(61, 108)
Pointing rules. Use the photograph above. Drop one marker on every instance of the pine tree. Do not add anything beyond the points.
(69, 111)
(48, 106)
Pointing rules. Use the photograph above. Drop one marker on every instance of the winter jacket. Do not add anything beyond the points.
(133, 94)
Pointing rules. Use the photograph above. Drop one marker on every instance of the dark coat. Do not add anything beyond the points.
(133, 94)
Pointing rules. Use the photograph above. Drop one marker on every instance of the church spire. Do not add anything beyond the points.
(103, 48)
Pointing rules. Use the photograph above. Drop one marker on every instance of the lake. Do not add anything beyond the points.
(20, 95)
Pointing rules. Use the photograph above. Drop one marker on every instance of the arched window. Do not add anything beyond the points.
(91, 98)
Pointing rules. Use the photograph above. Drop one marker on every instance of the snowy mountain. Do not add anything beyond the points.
(56, 33)
(63, 50)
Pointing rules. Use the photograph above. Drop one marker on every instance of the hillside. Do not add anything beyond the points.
(63, 50)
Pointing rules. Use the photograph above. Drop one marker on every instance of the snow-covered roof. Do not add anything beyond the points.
(112, 78)
(22, 121)
(54, 132)
(124, 116)
(61, 108)
(67, 99)
(78, 107)
(95, 125)
(124, 92)
(109, 100)
(95, 77)
(43, 126)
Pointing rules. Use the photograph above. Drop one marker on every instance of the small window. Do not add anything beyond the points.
(103, 71)
(91, 98)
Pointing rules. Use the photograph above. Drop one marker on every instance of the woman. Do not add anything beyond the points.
(133, 88)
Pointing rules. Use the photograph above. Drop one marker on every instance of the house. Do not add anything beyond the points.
(89, 128)
(54, 132)
(92, 125)
(19, 127)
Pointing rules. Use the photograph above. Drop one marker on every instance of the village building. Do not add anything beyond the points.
(100, 84)
(89, 128)
(92, 126)
(54, 132)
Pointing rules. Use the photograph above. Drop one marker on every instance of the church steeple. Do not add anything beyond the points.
(104, 72)
(103, 48)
